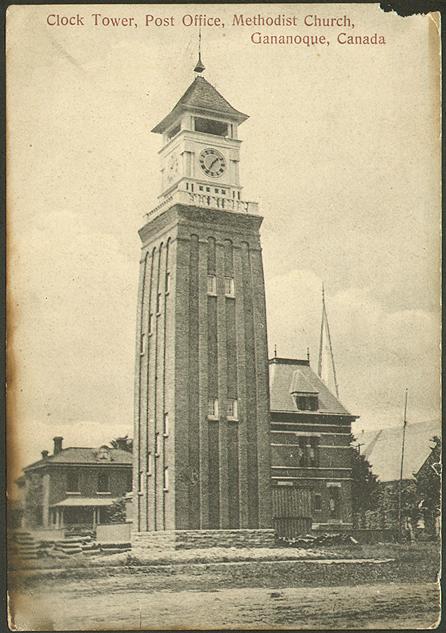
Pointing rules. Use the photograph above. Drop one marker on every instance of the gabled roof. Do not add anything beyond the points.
(383, 448)
(201, 97)
(79, 455)
(288, 375)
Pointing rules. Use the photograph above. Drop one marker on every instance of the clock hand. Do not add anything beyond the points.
(213, 163)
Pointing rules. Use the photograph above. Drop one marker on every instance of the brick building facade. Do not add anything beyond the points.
(202, 451)
(311, 451)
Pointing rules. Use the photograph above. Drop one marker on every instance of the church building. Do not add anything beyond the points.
(202, 447)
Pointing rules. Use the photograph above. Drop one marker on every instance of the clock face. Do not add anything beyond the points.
(212, 162)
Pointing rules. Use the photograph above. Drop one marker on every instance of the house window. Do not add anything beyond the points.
(213, 408)
(158, 303)
(103, 482)
(212, 285)
(308, 455)
(167, 285)
(229, 287)
(166, 479)
(150, 323)
(317, 502)
(166, 425)
(73, 481)
(157, 444)
(232, 409)
(142, 345)
(306, 402)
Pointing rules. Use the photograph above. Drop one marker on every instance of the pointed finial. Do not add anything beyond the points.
(323, 291)
(199, 67)
(308, 354)
(275, 351)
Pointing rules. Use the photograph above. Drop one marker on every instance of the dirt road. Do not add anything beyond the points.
(108, 603)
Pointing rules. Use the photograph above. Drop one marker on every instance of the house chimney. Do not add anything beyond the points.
(44, 454)
(57, 444)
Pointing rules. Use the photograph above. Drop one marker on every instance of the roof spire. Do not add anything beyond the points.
(199, 66)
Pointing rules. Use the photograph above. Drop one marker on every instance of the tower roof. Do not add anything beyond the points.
(201, 97)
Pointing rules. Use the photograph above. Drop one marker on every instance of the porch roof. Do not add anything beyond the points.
(78, 502)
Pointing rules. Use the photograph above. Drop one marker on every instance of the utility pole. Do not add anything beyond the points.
(400, 527)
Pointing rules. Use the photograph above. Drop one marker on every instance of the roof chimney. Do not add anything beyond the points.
(44, 454)
(57, 444)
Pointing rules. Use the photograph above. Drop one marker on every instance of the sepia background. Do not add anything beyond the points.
(341, 150)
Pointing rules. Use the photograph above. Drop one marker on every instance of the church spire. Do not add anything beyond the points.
(199, 66)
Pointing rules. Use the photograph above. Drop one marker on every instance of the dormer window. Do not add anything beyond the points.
(210, 126)
(306, 402)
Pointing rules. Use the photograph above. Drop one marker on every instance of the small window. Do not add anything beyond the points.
(157, 445)
(73, 481)
(216, 191)
(213, 408)
(167, 285)
(166, 425)
(158, 303)
(141, 481)
(166, 479)
(142, 345)
(229, 287)
(210, 126)
(208, 189)
(200, 188)
(307, 403)
(150, 323)
(223, 191)
(232, 409)
(149, 464)
(103, 482)
(318, 502)
(212, 285)
(174, 131)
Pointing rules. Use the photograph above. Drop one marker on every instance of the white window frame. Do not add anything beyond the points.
(233, 402)
(166, 479)
(212, 285)
(229, 288)
(213, 408)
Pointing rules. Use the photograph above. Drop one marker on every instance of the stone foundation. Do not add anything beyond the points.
(200, 539)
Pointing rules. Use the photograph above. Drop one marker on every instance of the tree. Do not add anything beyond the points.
(123, 443)
(428, 486)
(116, 512)
(365, 485)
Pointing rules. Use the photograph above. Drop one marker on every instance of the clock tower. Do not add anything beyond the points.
(201, 440)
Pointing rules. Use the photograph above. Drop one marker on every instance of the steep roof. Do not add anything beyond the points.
(383, 449)
(201, 97)
(79, 455)
(288, 375)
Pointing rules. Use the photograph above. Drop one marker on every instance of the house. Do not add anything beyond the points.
(310, 451)
(74, 486)
(382, 449)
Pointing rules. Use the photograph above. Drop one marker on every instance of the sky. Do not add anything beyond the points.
(341, 151)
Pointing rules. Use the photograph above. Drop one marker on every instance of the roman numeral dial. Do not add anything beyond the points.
(212, 162)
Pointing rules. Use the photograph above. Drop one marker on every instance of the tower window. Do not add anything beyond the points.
(167, 285)
(232, 409)
(174, 131)
(166, 425)
(212, 285)
(210, 126)
(150, 323)
(213, 408)
(158, 303)
(166, 479)
(229, 287)
(141, 482)
(73, 481)
(157, 444)
(103, 482)
(142, 345)
(149, 464)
